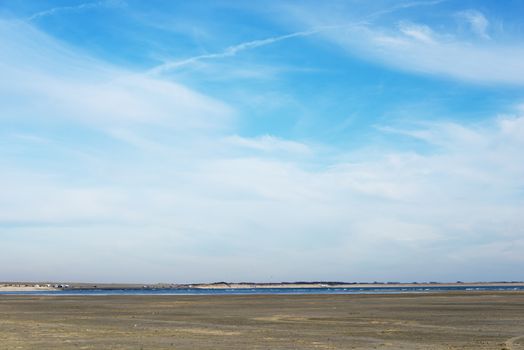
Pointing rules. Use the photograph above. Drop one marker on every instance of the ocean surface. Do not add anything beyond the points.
(270, 291)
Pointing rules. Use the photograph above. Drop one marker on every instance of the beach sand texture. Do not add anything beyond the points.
(487, 320)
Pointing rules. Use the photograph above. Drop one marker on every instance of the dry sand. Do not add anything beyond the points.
(24, 288)
(470, 320)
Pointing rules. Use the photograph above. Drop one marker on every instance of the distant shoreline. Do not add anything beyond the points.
(13, 287)
(47, 286)
(346, 285)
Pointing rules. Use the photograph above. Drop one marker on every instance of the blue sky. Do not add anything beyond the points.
(167, 141)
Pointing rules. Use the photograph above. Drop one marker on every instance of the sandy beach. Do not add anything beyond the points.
(472, 320)
(24, 288)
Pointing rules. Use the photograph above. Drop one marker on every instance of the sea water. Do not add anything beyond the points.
(271, 291)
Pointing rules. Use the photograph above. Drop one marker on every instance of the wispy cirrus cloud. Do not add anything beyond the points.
(402, 6)
(76, 8)
(230, 51)
(268, 143)
(478, 22)
(41, 71)
(417, 47)
(221, 206)
(420, 33)
(110, 168)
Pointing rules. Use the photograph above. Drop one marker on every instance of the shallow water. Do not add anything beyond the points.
(270, 291)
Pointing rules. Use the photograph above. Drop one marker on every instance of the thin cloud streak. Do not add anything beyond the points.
(81, 7)
(233, 50)
(230, 51)
(478, 22)
(78, 88)
(403, 6)
(268, 143)
(417, 48)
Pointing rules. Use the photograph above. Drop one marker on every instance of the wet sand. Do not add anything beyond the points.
(466, 320)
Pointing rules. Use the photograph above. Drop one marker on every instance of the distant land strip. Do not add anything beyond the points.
(50, 286)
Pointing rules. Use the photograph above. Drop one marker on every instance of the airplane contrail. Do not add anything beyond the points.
(233, 50)
(55, 10)
(229, 51)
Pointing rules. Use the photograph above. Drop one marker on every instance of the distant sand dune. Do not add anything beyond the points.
(24, 288)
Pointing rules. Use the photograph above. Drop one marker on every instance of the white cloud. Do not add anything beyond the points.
(75, 8)
(416, 47)
(269, 143)
(464, 196)
(196, 205)
(44, 78)
(419, 32)
(478, 22)
(513, 128)
(228, 52)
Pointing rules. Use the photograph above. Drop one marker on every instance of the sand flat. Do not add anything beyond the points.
(465, 320)
(7, 288)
